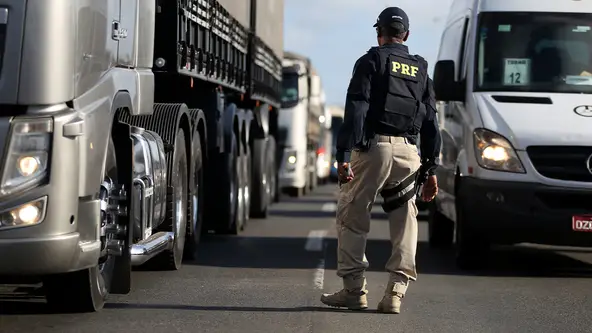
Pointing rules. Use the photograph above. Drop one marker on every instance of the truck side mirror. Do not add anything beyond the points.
(445, 86)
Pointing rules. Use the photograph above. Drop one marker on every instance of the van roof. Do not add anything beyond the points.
(558, 6)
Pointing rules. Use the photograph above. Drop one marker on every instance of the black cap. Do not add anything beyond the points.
(392, 15)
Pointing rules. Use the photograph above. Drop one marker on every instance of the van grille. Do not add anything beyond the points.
(573, 163)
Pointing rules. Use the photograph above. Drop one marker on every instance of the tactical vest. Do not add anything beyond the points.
(399, 110)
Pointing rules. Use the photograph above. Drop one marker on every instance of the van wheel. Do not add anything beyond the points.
(440, 228)
(472, 249)
(87, 290)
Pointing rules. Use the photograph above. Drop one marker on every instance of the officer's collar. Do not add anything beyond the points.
(397, 46)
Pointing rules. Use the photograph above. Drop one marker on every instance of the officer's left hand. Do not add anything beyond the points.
(430, 189)
(343, 174)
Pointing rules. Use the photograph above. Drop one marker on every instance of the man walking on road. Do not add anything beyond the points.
(390, 101)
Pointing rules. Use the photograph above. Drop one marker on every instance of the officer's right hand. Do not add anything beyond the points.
(430, 189)
(345, 173)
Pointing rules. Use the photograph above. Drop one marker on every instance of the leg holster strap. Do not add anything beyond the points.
(399, 195)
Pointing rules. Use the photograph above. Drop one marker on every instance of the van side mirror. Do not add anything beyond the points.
(445, 86)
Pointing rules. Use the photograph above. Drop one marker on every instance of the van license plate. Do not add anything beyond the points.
(581, 223)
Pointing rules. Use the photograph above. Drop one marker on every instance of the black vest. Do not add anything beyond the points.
(396, 107)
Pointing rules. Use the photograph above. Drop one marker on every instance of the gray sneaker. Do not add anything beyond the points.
(353, 300)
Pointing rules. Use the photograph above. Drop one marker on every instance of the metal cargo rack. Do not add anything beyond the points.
(213, 46)
(266, 73)
(210, 44)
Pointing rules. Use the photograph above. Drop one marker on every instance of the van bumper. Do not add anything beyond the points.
(516, 212)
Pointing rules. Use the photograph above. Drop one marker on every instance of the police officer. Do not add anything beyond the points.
(390, 101)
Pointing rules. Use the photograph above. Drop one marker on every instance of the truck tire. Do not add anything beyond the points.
(228, 191)
(176, 218)
(472, 249)
(440, 228)
(242, 186)
(247, 191)
(195, 224)
(260, 179)
(313, 179)
(296, 192)
(274, 194)
(88, 289)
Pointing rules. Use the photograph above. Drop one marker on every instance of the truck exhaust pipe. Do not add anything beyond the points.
(148, 248)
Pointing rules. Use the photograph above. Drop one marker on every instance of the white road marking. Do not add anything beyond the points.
(314, 241)
(329, 207)
(319, 275)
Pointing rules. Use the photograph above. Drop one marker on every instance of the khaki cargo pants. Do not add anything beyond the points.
(384, 166)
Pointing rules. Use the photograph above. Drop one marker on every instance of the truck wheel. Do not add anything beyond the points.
(260, 179)
(313, 180)
(197, 200)
(472, 250)
(176, 207)
(247, 191)
(440, 228)
(272, 170)
(87, 290)
(242, 186)
(228, 191)
(296, 192)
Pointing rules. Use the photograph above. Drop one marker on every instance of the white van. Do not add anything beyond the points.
(515, 79)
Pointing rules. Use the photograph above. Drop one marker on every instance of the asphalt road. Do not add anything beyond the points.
(269, 279)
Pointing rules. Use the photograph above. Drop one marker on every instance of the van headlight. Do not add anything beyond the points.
(27, 157)
(494, 152)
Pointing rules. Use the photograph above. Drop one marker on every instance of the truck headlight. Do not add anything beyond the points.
(28, 214)
(494, 152)
(291, 156)
(27, 157)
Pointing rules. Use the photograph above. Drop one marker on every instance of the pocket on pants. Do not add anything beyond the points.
(346, 197)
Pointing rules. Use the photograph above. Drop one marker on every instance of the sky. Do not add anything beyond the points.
(335, 33)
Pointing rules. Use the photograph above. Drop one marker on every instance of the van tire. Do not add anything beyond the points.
(440, 228)
(472, 249)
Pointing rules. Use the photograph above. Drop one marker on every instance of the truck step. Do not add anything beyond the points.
(146, 249)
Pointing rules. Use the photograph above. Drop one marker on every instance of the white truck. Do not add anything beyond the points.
(299, 124)
(127, 128)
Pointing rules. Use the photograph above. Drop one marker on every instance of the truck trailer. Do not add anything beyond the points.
(300, 128)
(127, 129)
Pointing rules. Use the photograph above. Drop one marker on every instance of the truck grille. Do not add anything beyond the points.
(572, 163)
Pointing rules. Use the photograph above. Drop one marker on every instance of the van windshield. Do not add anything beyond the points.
(534, 52)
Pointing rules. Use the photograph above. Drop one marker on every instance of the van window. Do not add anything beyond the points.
(534, 52)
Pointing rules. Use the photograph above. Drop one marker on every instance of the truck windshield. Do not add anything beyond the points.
(289, 90)
(534, 52)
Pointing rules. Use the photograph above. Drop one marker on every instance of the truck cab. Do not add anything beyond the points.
(300, 125)
(514, 82)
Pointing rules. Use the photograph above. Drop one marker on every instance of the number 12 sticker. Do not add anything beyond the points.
(516, 72)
